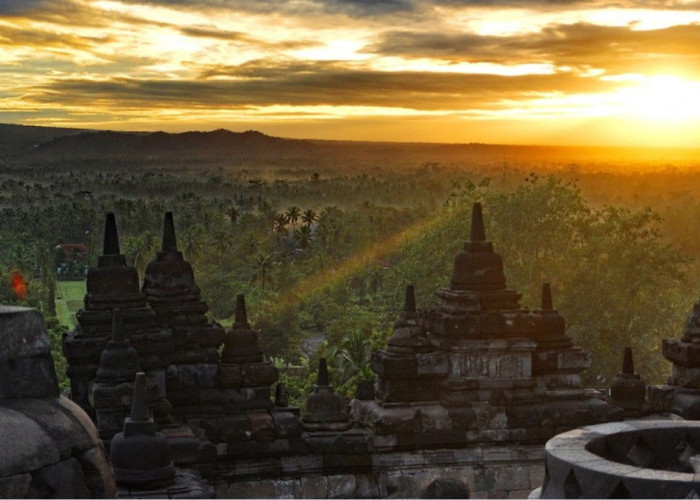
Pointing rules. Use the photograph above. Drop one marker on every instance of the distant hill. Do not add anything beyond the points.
(23, 137)
(38, 144)
(160, 145)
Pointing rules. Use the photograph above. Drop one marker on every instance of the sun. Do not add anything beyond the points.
(664, 98)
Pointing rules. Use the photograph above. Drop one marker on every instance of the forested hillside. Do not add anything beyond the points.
(323, 247)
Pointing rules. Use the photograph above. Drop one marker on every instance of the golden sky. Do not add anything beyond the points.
(499, 71)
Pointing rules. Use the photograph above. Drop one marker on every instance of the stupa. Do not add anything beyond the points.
(681, 394)
(485, 369)
(170, 289)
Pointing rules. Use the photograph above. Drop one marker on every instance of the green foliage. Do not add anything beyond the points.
(56, 332)
(326, 257)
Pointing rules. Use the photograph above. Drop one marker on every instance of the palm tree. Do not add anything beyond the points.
(353, 355)
(293, 214)
(279, 224)
(303, 236)
(308, 217)
(233, 213)
(261, 270)
(191, 242)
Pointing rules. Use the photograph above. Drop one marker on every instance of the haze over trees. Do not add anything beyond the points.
(323, 237)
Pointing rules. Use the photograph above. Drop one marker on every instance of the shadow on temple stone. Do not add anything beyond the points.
(479, 368)
(170, 289)
(48, 445)
(471, 388)
(115, 285)
(141, 457)
(445, 488)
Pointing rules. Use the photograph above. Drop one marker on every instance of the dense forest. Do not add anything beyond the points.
(322, 237)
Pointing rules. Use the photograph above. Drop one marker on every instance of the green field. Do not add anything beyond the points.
(69, 298)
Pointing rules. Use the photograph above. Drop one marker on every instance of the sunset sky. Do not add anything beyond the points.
(518, 71)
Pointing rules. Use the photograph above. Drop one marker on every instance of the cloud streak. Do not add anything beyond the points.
(76, 60)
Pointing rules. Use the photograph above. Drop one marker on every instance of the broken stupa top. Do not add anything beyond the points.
(26, 366)
(241, 341)
(169, 275)
(324, 408)
(554, 331)
(408, 328)
(478, 267)
(119, 361)
(112, 279)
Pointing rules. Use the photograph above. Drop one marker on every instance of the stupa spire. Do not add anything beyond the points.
(111, 239)
(139, 399)
(323, 378)
(478, 267)
(241, 313)
(628, 362)
(477, 230)
(409, 303)
(547, 304)
(169, 241)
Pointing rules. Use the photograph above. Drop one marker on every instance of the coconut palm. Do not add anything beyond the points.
(262, 270)
(303, 236)
(308, 217)
(293, 214)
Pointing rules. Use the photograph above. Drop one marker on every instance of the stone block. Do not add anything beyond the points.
(107, 395)
(681, 353)
(537, 472)
(400, 486)
(200, 374)
(99, 477)
(62, 480)
(258, 374)
(230, 375)
(194, 355)
(402, 389)
(249, 489)
(574, 359)
(388, 364)
(286, 424)
(307, 465)
(685, 377)
(262, 427)
(519, 494)
(111, 420)
(341, 486)
(26, 365)
(16, 486)
(35, 450)
(367, 486)
(314, 486)
(433, 364)
(513, 477)
(485, 478)
(342, 462)
(247, 394)
(231, 429)
(287, 488)
(494, 365)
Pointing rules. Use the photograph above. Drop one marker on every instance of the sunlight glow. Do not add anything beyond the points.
(661, 97)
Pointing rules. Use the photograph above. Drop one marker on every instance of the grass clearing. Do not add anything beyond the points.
(68, 300)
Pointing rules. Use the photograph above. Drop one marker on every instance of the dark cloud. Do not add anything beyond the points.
(612, 48)
(263, 83)
(21, 7)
